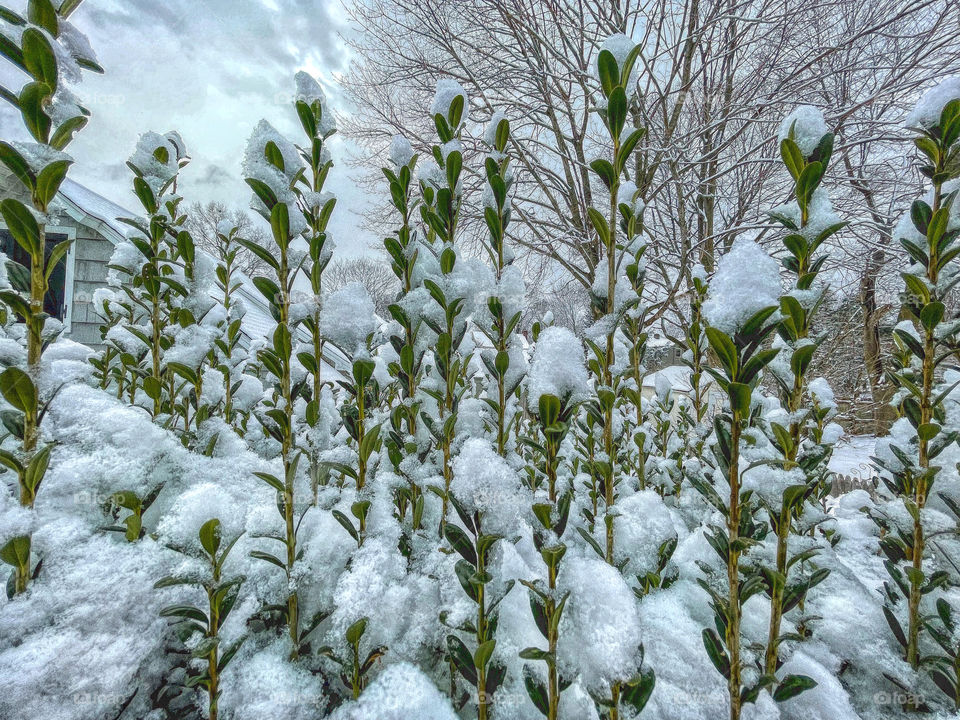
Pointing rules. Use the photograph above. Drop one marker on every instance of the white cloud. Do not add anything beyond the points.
(209, 70)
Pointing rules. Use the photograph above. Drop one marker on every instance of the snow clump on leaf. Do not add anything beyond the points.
(747, 281)
(558, 367)
(806, 126)
(926, 114)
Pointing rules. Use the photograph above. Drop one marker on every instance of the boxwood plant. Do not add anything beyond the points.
(50, 117)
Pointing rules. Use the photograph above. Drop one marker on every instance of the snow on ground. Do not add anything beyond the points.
(851, 456)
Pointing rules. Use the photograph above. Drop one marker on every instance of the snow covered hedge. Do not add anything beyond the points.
(459, 510)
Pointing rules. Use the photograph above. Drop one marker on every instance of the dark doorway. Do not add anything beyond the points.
(55, 303)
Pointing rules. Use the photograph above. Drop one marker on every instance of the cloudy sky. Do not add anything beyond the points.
(209, 69)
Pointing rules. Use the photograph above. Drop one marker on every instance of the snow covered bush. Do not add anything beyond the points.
(799, 446)
(230, 359)
(437, 514)
(199, 628)
(274, 170)
(742, 325)
(921, 450)
(49, 50)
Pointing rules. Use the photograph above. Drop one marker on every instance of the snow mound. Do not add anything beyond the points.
(926, 113)
(807, 126)
(401, 692)
(747, 280)
(558, 367)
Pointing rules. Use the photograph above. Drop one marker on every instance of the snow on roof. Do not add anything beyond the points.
(97, 207)
(257, 321)
(677, 375)
(105, 214)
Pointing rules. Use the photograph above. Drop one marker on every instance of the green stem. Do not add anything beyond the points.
(732, 635)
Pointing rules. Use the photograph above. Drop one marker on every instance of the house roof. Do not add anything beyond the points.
(103, 215)
(678, 376)
(96, 208)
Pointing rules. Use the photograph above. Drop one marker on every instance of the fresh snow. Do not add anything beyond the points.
(557, 368)
(926, 113)
(806, 126)
(747, 281)
(447, 90)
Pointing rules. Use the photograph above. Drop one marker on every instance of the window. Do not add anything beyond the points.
(56, 301)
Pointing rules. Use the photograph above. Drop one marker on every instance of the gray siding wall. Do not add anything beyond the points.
(90, 272)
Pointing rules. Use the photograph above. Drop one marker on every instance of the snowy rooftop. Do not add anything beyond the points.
(105, 214)
(677, 375)
(97, 207)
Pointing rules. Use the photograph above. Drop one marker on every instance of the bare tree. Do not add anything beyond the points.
(203, 221)
(374, 274)
(717, 76)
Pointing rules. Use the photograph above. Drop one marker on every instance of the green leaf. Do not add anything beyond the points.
(173, 581)
(938, 225)
(13, 18)
(56, 255)
(210, 536)
(16, 552)
(460, 542)
(145, 195)
(536, 689)
(37, 468)
(792, 157)
(187, 612)
(460, 656)
(362, 372)
(928, 431)
(711, 641)
(608, 72)
(920, 214)
(740, 395)
(605, 172)
(600, 225)
(263, 192)
(483, 653)
(152, 387)
(22, 225)
(637, 692)
(356, 631)
(627, 147)
(280, 224)
(269, 289)
(260, 252)
(44, 14)
(455, 111)
(725, 349)
(801, 358)
(32, 98)
(18, 389)
(228, 654)
(16, 163)
(307, 119)
(617, 112)
(895, 626)
(793, 685)
(38, 57)
(931, 315)
(260, 555)
(807, 182)
(9, 460)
